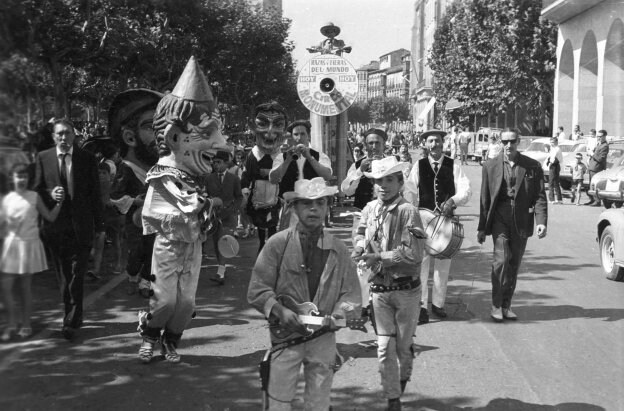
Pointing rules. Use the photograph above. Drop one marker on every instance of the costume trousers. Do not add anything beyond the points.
(554, 188)
(441, 269)
(396, 324)
(317, 357)
(70, 259)
(176, 265)
(140, 252)
(508, 251)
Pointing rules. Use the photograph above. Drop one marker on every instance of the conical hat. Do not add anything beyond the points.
(193, 85)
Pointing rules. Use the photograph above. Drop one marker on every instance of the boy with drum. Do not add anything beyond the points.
(438, 184)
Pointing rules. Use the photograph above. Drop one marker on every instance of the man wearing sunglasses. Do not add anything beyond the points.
(513, 200)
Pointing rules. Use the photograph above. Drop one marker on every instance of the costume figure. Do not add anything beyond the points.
(187, 136)
(308, 266)
(513, 200)
(438, 184)
(384, 244)
(130, 119)
(263, 204)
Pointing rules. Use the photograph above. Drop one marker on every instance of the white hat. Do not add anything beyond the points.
(310, 190)
(386, 166)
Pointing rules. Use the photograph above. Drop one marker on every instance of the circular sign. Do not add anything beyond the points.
(228, 246)
(327, 85)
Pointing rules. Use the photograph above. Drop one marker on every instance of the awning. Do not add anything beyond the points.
(427, 109)
(452, 104)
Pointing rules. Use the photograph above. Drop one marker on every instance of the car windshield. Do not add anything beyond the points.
(616, 156)
(568, 148)
(538, 146)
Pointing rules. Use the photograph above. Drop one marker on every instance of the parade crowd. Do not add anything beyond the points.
(161, 179)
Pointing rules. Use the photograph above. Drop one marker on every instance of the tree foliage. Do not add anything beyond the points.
(493, 55)
(89, 50)
(359, 112)
(388, 109)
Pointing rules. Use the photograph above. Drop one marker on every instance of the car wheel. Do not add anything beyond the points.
(607, 260)
(607, 203)
(617, 204)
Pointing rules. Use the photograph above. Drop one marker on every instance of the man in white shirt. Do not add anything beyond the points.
(438, 184)
(554, 160)
(561, 135)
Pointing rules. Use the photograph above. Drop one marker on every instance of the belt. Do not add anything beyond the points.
(380, 288)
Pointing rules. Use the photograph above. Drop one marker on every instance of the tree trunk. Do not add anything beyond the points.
(60, 97)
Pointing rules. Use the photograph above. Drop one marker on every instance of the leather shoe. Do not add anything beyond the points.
(217, 279)
(68, 332)
(438, 311)
(497, 314)
(509, 315)
(423, 318)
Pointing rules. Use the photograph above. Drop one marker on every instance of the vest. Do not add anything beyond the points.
(364, 191)
(292, 173)
(434, 190)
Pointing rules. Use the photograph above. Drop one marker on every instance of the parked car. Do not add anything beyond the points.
(610, 230)
(615, 151)
(608, 185)
(540, 147)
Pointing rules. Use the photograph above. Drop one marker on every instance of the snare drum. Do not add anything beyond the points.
(444, 234)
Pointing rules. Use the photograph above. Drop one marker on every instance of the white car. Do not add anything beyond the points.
(540, 147)
(610, 230)
(608, 185)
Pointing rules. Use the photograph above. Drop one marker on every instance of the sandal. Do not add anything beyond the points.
(146, 352)
(24, 332)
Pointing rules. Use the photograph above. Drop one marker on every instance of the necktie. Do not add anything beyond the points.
(64, 172)
(221, 177)
(435, 167)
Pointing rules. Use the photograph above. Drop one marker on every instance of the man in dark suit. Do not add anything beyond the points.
(512, 201)
(227, 187)
(598, 162)
(70, 237)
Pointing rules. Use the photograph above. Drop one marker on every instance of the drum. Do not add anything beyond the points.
(444, 234)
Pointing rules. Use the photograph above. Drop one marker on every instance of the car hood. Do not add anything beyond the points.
(614, 173)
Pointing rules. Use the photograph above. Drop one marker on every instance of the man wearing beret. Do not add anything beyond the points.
(130, 120)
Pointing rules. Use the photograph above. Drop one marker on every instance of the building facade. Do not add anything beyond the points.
(390, 79)
(362, 74)
(589, 83)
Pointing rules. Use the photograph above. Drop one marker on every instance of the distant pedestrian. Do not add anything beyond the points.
(553, 162)
(598, 162)
(22, 251)
(578, 173)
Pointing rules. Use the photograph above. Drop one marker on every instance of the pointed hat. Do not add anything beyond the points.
(192, 84)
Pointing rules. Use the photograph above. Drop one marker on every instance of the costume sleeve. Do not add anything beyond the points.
(277, 162)
(188, 201)
(410, 191)
(462, 186)
(359, 239)
(352, 180)
(325, 161)
(261, 291)
(410, 249)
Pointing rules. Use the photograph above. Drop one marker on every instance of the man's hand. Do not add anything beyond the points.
(332, 326)
(304, 151)
(369, 258)
(481, 237)
(357, 251)
(289, 319)
(447, 208)
(541, 231)
(365, 165)
(58, 194)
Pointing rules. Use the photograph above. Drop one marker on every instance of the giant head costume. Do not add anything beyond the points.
(269, 126)
(187, 124)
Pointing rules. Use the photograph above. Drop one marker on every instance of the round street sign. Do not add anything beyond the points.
(327, 85)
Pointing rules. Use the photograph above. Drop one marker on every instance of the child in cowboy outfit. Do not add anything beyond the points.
(385, 245)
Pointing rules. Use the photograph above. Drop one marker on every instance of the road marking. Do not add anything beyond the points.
(43, 335)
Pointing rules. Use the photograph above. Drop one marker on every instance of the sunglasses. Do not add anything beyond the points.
(505, 142)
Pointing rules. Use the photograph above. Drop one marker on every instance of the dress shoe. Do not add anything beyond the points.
(509, 315)
(438, 311)
(497, 314)
(68, 332)
(590, 202)
(218, 280)
(423, 318)
(596, 204)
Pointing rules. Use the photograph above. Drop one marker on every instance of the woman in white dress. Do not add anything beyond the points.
(22, 251)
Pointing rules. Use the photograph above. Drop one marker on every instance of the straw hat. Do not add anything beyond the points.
(310, 190)
(330, 30)
(386, 166)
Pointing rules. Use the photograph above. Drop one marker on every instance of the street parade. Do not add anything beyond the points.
(312, 205)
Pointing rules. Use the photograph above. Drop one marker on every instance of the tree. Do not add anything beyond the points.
(388, 109)
(358, 112)
(494, 55)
